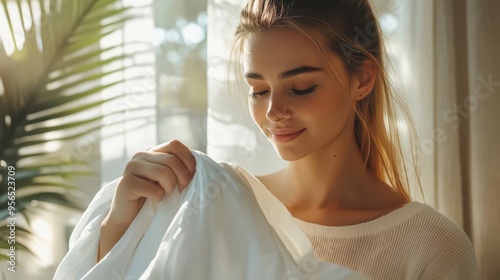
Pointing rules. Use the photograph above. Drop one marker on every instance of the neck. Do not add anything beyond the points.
(333, 176)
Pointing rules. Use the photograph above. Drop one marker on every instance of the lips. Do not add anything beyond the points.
(284, 135)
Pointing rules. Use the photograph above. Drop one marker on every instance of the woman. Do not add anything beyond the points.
(320, 93)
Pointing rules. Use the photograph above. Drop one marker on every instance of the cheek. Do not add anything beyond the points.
(334, 107)
(257, 110)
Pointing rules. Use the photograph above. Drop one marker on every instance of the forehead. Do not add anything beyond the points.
(280, 50)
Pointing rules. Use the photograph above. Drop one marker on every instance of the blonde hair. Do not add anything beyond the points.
(349, 29)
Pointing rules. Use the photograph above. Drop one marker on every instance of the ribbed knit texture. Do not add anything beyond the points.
(413, 242)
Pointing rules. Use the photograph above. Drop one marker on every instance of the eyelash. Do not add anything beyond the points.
(295, 92)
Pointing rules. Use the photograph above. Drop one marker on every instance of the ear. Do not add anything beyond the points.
(362, 82)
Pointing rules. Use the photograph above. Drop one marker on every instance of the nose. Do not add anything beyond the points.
(278, 109)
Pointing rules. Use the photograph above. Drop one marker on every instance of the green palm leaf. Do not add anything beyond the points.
(55, 76)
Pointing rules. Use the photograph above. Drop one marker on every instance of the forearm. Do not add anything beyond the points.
(110, 233)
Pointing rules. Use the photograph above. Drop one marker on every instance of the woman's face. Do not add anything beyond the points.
(293, 98)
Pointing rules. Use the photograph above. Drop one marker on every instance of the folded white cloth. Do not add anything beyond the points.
(225, 225)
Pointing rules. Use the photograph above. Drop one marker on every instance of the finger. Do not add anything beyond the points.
(162, 174)
(183, 176)
(139, 187)
(181, 173)
(175, 147)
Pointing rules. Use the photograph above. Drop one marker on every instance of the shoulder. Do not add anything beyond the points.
(447, 249)
(437, 227)
(433, 230)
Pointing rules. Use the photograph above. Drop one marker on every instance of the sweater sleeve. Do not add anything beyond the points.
(451, 254)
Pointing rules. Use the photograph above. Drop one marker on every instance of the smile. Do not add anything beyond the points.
(285, 136)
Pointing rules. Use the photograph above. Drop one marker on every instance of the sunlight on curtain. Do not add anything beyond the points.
(408, 30)
(414, 68)
(180, 38)
(165, 94)
(131, 119)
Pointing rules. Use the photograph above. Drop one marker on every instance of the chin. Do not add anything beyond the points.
(289, 153)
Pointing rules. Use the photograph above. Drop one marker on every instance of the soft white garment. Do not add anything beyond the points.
(224, 225)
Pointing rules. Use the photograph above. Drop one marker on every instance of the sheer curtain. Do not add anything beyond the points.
(449, 74)
(454, 77)
(467, 99)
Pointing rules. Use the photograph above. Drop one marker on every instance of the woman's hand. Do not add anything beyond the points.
(152, 174)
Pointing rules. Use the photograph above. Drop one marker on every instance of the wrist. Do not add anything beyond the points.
(116, 224)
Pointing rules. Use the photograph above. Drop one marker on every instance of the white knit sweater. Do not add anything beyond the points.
(413, 242)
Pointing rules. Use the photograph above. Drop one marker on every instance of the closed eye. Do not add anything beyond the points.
(256, 94)
(304, 91)
(294, 91)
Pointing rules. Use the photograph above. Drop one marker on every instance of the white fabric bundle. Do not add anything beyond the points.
(225, 225)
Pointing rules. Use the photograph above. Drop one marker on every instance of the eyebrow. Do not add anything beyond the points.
(286, 74)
